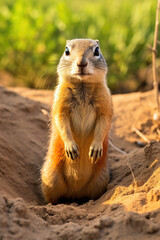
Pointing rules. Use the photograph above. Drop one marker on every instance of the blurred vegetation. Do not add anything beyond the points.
(33, 36)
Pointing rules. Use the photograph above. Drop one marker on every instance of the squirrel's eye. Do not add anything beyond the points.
(67, 52)
(96, 52)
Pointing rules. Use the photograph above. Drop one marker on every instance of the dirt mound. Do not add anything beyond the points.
(129, 209)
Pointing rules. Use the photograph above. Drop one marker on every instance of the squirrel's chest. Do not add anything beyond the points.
(83, 118)
(83, 112)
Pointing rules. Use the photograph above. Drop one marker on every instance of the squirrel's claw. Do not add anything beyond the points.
(72, 151)
(95, 152)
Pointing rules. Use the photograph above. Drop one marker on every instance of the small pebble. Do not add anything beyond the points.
(22, 222)
(104, 223)
(140, 143)
(90, 216)
(153, 228)
(114, 207)
(51, 211)
(13, 230)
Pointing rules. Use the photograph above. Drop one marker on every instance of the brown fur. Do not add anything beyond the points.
(76, 164)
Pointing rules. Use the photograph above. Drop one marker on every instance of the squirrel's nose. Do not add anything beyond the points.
(82, 63)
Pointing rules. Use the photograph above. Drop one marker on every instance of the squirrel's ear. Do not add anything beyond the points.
(67, 41)
(97, 41)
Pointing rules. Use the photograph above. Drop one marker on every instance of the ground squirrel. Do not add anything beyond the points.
(76, 163)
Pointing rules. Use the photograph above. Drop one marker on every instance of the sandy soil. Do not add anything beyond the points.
(130, 208)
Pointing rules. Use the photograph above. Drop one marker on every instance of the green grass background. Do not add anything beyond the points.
(33, 34)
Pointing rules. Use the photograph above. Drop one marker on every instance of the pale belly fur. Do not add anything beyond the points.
(79, 172)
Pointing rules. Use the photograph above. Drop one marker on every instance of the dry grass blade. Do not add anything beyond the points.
(154, 51)
(127, 160)
(141, 135)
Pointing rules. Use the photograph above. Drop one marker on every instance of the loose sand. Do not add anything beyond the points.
(126, 211)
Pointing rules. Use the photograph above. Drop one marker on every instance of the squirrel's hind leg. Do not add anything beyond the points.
(53, 185)
(52, 181)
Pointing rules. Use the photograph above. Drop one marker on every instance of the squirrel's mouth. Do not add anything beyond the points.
(82, 74)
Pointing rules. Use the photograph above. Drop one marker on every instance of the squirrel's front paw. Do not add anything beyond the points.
(71, 150)
(95, 151)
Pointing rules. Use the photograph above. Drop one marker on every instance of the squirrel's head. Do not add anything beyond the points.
(82, 60)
